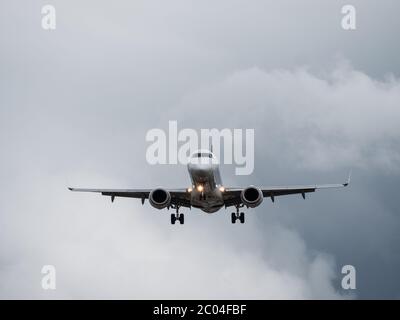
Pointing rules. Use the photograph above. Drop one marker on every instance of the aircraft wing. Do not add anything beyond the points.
(232, 195)
(178, 196)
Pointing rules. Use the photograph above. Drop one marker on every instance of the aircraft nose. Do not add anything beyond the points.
(199, 166)
(200, 169)
(203, 169)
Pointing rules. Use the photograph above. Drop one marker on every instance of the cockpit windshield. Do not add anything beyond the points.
(203, 155)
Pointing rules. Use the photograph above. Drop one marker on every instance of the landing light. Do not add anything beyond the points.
(189, 190)
(200, 188)
(222, 189)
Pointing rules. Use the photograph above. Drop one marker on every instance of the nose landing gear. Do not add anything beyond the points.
(236, 215)
(177, 216)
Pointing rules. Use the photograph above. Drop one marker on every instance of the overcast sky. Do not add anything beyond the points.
(77, 102)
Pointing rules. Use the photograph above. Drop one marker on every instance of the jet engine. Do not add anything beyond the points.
(251, 197)
(159, 198)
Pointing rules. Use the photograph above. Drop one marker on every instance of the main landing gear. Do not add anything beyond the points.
(177, 216)
(236, 215)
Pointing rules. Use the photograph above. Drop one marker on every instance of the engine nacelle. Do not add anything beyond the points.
(251, 197)
(160, 198)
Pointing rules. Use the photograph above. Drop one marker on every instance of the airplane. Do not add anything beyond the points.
(207, 191)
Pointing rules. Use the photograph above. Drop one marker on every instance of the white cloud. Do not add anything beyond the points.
(342, 118)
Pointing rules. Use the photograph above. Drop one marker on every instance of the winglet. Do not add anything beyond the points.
(348, 180)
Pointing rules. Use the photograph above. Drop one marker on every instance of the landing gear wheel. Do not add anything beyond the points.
(236, 215)
(176, 216)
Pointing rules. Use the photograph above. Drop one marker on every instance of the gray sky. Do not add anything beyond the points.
(76, 104)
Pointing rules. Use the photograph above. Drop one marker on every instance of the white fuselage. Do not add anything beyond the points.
(206, 191)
